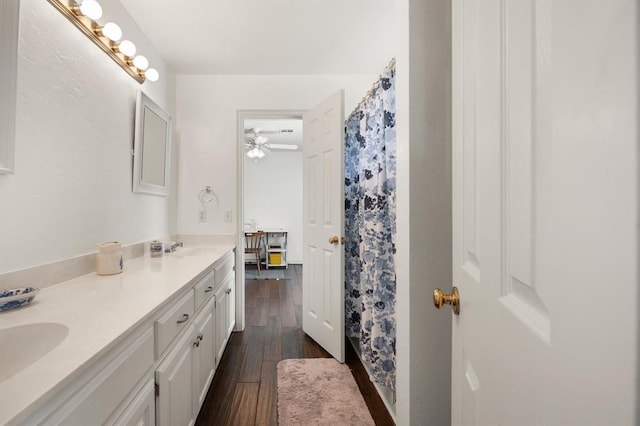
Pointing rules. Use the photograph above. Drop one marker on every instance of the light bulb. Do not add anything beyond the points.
(261, 140)
(127, 48)
(251, 153)
(152, 74)
(91, 9)
(141, 62)
(112, 31)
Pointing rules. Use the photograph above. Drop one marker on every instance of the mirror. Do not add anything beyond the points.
(9, 19)
(152, 148)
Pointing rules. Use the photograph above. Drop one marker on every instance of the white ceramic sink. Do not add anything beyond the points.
(23, 345)
(194, 251)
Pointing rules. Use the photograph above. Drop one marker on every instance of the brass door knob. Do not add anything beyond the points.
(453, 299)
(334, 240)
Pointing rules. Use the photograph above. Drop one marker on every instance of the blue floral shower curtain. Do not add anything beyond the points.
(370, 228)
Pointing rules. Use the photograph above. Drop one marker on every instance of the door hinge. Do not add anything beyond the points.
(157, 389)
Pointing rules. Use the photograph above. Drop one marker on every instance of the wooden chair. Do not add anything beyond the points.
(253, 244)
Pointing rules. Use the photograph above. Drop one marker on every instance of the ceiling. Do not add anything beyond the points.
(269, 36)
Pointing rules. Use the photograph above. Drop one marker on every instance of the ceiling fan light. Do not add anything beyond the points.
(252, 153)
(261, 139)
(260, 153)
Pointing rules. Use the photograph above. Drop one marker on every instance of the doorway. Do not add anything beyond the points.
(270, 194)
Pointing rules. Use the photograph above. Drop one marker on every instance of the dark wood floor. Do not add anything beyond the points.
(244, 390)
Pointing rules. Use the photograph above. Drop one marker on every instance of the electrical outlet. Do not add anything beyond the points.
(202, 216)
(227, 215)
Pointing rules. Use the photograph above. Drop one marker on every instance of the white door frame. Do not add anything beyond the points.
(242, 115)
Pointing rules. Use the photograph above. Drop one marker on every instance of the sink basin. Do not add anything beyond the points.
(195, 251)
(23, 345)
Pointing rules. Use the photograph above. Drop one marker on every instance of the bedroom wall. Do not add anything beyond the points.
(71, 188)
(273, 196)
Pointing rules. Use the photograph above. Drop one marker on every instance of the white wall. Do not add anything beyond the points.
(423, 89)
(207, 107)
(273, 196)
(74, 132)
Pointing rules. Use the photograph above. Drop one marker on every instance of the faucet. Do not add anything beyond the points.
(173, 246)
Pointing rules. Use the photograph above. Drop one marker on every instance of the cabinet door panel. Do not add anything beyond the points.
(175, 381)
(142, 410)
(231, 304)
(204, 354)
(221, 322)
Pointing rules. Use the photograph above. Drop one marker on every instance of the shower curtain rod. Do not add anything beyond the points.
(391, 63)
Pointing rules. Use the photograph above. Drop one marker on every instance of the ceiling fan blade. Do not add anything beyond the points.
(281, 146)
(256, 130)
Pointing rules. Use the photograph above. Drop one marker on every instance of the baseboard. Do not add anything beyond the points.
(386, 395)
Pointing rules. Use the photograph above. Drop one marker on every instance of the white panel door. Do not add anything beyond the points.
(545, 178)
(323, 211)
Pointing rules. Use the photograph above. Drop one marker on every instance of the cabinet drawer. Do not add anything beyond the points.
(204, 290)
(175, 319)
(222, 268)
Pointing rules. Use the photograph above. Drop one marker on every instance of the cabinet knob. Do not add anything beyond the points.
(228, 291)
(185, 318)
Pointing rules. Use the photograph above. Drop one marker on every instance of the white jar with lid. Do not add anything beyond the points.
(109, 258)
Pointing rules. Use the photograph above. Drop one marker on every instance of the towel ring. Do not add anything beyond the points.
(207, 195)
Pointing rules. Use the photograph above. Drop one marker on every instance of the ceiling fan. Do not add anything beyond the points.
(257, 145)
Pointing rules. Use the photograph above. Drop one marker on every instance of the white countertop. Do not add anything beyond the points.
(99, 311)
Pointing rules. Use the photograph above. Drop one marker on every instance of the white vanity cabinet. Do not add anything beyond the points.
(187, 370)
(158, 372)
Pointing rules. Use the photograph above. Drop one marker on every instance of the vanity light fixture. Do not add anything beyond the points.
(152, 74)
(141, 62)
(112, 31)
(127, 48)
(85, 14)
